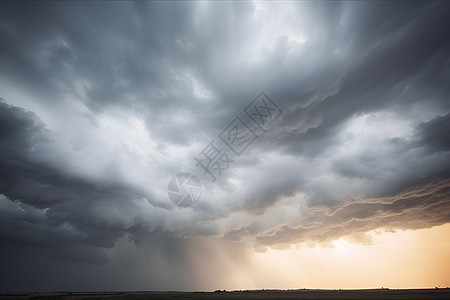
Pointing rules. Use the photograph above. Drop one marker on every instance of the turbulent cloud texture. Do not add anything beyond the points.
(102, 103)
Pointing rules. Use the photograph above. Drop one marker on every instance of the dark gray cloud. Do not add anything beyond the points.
(102, 103)
(435, 133)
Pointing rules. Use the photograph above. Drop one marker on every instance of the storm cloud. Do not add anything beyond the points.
(103, 103)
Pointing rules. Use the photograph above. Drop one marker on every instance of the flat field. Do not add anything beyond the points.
(257, 294)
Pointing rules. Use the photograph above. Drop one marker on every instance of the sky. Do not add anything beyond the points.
(224, 145)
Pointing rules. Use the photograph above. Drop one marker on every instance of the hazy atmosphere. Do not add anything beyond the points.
(224, 145)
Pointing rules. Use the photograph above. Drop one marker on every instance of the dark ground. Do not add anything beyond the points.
(259, 294)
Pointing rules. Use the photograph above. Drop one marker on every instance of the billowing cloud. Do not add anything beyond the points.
(420, 207)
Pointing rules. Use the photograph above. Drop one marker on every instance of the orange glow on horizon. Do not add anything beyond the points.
(404, 259)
